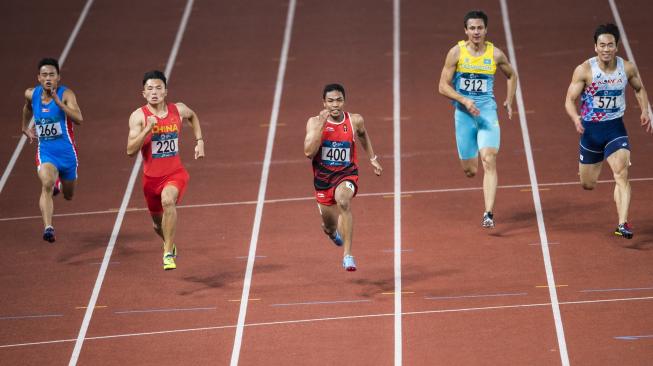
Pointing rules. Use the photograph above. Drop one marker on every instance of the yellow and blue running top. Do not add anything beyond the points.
(474, 77)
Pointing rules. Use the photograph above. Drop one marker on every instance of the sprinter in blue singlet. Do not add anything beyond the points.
(54, 110)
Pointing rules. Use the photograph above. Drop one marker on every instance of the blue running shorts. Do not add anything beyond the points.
(474, 133)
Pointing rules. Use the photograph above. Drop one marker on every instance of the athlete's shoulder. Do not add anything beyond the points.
(28, 93)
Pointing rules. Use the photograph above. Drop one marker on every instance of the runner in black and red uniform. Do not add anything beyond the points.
(154, 129)
(331, 143)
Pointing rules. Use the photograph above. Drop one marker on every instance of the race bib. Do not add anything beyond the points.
(336, 153)
(607, 102)
(164, 145)
(472, 85)
(47, 129)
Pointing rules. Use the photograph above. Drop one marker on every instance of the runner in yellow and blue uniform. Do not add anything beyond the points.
(55, 110)
(468, 80)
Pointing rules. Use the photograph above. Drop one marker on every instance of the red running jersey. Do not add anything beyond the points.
(336, 158)
(160, 149)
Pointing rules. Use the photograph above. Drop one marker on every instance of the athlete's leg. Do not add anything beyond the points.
(169, 220)
(68, 188)
(48, 175)
(329, 218)
(589, 174)
(466, 142)
(157, 218)
(343, 195)
(618, 162)
(470, 167)
(490, 177)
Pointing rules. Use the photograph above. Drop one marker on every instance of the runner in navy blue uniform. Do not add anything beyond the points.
(600, 82)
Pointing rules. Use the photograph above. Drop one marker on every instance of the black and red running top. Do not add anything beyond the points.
(336, 159)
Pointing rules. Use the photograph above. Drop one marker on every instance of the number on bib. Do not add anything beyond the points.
(473, 85)
(336, 153)
(607, 102)
(164, 145)
(48, 129)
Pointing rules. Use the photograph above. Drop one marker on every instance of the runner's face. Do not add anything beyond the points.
(476, 30)
(606, 47)
(333, 102)
(48, 77)
(155, 91)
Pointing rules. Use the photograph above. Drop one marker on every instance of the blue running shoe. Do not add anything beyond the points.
(48, 234)
(336, 238)
(624, 230)
(348, 263)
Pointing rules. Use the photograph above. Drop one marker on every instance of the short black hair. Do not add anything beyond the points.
(476, 14)
(608, 28)
(155, 74)
(50, 62)
(333, 87)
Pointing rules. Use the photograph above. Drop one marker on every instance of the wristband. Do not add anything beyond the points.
(374, 158)
(199, 139)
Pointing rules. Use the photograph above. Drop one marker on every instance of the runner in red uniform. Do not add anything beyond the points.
(154, 129)
(331, 144)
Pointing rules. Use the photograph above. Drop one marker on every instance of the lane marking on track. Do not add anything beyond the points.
(530, 190)
(392, 250)
(141, 311)
(35, 316)
(123, 206)
(395, 293)
(547, 286)
(274, 119)
(316, 320)
(245, 257)
(403, 195)
(396, 143)
(95, 307)
(296, 199)
(550, 243)
(550, 279)
(633, 338)
(624, 41)
(322, 302)
(618, 289)
(475, 296)
(239, 300)
(62, 60)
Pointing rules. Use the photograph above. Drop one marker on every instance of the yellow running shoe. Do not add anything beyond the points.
(174, 249)
(169, 262)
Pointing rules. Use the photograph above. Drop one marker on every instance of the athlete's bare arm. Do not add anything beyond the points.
(446, 88)
(642, 98)
(359, 126)
(507, 69)
(27, 116)
(314, 128)
(194, 121)
(138, 129)
(69, 106)
(578, 82)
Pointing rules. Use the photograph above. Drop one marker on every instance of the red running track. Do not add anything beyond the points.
(470, 296)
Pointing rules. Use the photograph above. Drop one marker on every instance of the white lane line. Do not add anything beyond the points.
(624, 41)
(123, 206)
(278, 91)
(14, 317)
(618, 289)
(161, 310)
(396, 116)
(315, 320)
(295, 199)
(555, 307)
(474, 296)
(62, 59)
(321, 302)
